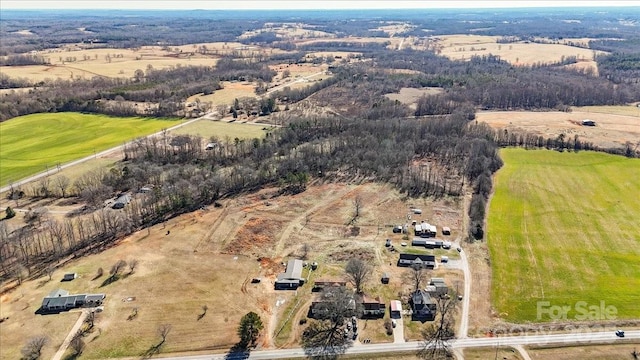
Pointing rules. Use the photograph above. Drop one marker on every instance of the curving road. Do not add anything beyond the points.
(578, 338)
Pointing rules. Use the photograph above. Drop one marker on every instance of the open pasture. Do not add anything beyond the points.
(74, 61)
(463, 47)
(563, 228)
(227, 95)
(615, 125)
(33, 143)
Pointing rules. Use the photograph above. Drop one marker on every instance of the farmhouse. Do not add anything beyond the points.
(425, 261)
(422, 305)
(372, 307)
(322, 309)
(292, 277)
(323, 284)
(60, 300)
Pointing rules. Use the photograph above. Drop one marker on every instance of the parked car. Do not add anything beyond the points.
(393, 323)
(387, 243)
(459, 250)
(620, 333)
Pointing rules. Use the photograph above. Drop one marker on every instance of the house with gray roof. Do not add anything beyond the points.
(292, 277)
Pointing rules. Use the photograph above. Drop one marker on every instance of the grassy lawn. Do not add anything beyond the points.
(563, 228)
(222, 130)
(32, 143)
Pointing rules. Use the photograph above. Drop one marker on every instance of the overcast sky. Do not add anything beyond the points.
(296, 4)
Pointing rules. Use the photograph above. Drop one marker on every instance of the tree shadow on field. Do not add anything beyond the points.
(239, 351)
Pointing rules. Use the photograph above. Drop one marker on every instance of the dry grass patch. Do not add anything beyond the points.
(505, 353)
(611, 130)
(463, 47)
(409, 96)
(586, 352)
(226, 95)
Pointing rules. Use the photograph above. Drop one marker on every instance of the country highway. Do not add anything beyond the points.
(570, 339)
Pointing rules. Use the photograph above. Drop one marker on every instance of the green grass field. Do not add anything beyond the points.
(220, 129)
(564, 228)
(29, 144)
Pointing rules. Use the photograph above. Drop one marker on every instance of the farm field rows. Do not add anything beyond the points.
(33, 143)
(563, 228)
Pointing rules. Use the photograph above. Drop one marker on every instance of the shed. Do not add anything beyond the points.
(69, 277)
(396, 308)
(121, 201)
(446, 230)
(385, 278)
(588, 122)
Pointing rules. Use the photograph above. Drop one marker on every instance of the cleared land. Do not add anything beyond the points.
(209, 258)
(32, 143)
(463, 47)
(563, 228)
(615, 125)
(410, 96)
(221, 130)
(74, 61)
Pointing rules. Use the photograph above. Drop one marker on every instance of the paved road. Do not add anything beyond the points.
(55, 170)
(557, 339)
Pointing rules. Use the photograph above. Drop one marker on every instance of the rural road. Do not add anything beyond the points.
(57, 169)
(466, 297)
(577, 338)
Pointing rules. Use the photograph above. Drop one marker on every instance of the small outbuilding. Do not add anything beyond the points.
(588, 122)
(385, 278)
(69, 277)
(446, 230)
(396, 308)
(121, 201)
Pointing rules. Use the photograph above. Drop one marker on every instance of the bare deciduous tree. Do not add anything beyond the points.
(33, 348)
(163, 331)
(62, 182)
(416, 275)
(436, 335)
(132, 265)
(304, 250)
(357, 272)
(77, 344)
(117, 267)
